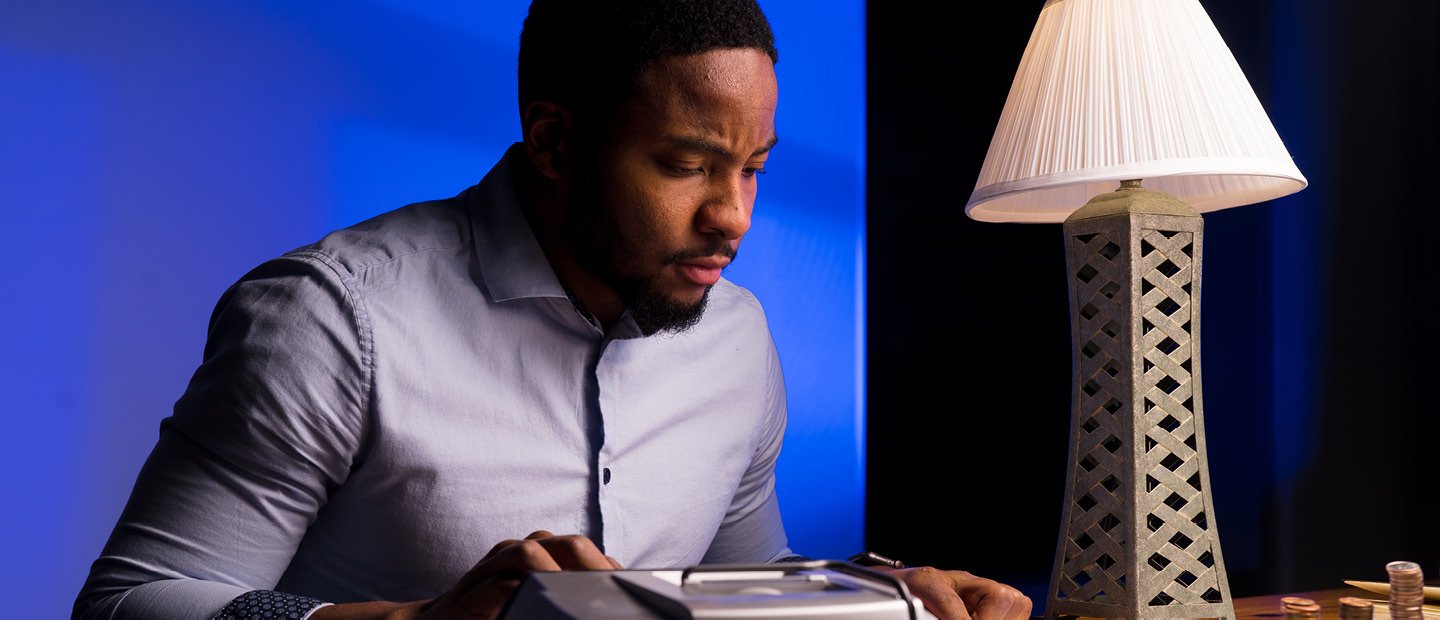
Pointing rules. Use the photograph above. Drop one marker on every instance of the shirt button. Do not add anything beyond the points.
(607, 475)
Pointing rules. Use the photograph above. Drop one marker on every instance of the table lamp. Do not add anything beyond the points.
(1129, 93)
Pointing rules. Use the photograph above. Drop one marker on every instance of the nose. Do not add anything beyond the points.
(726, 209)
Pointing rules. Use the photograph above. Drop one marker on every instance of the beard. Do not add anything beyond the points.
(602, 248)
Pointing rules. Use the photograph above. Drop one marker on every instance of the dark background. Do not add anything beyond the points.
(1319, 310)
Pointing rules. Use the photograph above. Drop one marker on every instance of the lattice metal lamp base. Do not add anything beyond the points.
(1137, 538)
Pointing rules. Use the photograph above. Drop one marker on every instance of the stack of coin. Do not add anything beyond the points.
(1352, 608)
(1300, 607)
(1407, 590)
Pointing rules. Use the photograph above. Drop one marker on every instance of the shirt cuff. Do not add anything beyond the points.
(264, 604)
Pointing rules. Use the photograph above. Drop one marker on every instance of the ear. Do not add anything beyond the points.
(549, 137)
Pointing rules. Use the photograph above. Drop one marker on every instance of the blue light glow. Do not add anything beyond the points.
(154, 152)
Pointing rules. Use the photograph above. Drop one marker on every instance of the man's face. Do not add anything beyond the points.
(662, 203)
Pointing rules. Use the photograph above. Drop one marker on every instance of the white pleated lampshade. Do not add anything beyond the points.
(1110, 90)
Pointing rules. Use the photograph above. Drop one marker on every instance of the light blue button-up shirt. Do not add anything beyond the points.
(377, 410)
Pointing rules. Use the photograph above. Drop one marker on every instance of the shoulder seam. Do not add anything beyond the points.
(364, 331)
(366, 266)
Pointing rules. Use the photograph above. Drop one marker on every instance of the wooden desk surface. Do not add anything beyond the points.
(1329, 600)
(1267, 607)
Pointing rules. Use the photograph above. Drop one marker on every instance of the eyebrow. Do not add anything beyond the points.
(706, 146)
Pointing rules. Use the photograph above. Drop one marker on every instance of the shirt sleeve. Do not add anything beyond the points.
(273, 418)
(752, 531)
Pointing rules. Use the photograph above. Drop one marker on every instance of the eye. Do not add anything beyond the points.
(682, 171)
(750, 171)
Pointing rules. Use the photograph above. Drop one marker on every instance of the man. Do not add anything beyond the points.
(406, 410)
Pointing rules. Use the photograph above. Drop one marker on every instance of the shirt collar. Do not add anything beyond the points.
(512, 265)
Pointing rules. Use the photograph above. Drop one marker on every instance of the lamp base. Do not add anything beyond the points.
(1138, 537)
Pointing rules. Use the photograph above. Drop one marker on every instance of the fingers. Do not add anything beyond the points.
(575, 552)
(935, 589)
(990, 600)
(535, 535)
(961, 595)
(483, 591)
(542, 550)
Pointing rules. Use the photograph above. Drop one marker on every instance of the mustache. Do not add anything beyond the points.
(719, 247)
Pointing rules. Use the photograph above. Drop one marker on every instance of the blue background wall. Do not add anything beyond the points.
(152, 152)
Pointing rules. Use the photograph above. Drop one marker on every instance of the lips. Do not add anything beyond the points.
(703, 272)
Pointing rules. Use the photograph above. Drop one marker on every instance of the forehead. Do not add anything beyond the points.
(716, 72)
(708, 91)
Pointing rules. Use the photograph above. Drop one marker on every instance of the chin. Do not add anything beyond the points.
(692, 297)
(670, 313)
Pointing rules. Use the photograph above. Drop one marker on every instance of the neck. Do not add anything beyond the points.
(543, 200)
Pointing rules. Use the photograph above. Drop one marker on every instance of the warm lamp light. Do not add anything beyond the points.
(1115, 92)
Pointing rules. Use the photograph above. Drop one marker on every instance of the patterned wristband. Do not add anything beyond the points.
(265, 605)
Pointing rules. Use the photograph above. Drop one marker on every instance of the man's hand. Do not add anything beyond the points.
(958, 595)
(481, 594)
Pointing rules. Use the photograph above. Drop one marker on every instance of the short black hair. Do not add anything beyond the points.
(588, 54)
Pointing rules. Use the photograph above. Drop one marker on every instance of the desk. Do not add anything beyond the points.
(1329, 600)
(1269, 607)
